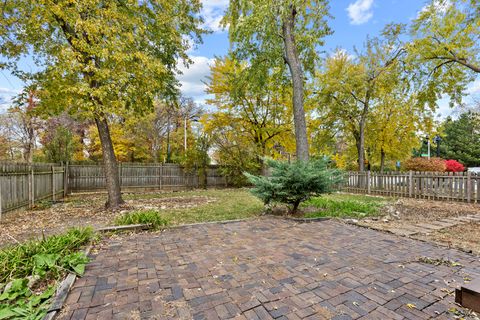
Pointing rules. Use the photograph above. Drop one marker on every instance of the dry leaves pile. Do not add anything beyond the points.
(80, 211)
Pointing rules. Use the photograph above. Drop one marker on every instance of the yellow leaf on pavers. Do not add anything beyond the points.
(411, 306)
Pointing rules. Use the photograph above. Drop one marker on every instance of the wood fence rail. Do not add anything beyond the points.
(24, 185)
(464, 187)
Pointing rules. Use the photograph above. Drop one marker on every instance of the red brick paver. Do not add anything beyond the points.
(268, 269)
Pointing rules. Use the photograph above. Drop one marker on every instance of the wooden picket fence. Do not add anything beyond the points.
(24, 185)
(464, 187)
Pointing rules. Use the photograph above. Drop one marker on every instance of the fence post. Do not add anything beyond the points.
(410, 184)
(65, 179)
(368, 182)
(32, 187)
(53, 183)
(1, 197)
(469, 186)
(161, 176)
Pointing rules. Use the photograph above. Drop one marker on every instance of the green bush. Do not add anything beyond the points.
(293, 183)
(151, 217)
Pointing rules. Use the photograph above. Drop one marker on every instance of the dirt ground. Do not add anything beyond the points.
(464, 236)
(420, 210)
(407, 212)
(85, 210)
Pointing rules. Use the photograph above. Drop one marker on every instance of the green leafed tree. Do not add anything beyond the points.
(352, 87)
(272, 34)
(461, 139)
(445, 50)
(100, 58)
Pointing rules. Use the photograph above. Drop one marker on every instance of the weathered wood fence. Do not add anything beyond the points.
(464, 187)
(23, 185)
(145, 176)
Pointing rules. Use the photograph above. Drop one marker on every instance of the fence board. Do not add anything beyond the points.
(463, 187)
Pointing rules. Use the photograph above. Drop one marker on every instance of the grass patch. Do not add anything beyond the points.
(229, 204)
(151, 217)
(341, 205)
(29, 271)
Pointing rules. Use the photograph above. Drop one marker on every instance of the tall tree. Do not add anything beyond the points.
(350, 86)
(252, 112)
(101, 57)
(271, 33)
(63, 138)
(24, 124)
(461, 139)
(445, 50)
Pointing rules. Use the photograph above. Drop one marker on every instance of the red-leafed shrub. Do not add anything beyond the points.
(454, 166)
(425, 164)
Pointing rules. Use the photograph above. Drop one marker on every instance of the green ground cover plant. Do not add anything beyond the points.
(29, 272)
(152, 217)
(341, 205)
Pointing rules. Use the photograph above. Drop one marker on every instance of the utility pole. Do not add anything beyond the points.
(185, 133)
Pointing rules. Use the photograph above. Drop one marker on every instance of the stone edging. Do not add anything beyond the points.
(300, 220)
(204, 223)
(129, 227)
(62, 292)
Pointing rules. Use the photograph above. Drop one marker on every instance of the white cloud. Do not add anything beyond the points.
(439, 6)
(360, 11)
(343, 52)
(474, 87)
(212, 12)
(192, 78)
(6, 96)
(444, 110)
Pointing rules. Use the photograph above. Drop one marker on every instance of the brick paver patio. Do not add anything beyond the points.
(268, 268)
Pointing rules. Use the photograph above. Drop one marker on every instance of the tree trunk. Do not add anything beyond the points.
(294, 209)
(293, 61)
(361, 133)
(361, 146)
(109, 165)
(382, 160)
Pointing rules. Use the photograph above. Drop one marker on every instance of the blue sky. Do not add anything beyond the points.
(352, 21)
